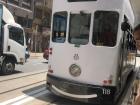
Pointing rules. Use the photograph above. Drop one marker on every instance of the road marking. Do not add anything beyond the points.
(37, 64)
(23, 96)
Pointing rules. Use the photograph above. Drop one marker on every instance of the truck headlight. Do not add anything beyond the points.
(21, 59)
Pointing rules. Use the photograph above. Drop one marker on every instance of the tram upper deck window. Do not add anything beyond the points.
(105, 28)
(59, 27)
(79, 28)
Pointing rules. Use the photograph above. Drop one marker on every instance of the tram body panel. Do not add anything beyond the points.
(100, 63)
(81, 65)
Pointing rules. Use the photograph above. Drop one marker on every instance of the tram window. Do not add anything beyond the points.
(105, 28)
(79, 28)
(59, 27)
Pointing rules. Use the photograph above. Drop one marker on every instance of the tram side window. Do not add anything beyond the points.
(59, 27)
(16, 34)
(105, 28)
(79, 28)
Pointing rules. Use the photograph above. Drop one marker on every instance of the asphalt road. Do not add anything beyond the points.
(31, 90)
(33, 65)
(27, 87)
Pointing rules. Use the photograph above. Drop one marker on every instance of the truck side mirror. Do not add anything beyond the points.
(125, 26)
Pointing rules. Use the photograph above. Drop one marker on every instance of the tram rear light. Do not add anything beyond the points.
(50, 51)
(107, 82)
(50, 71)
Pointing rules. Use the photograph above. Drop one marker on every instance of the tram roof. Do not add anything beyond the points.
(94, 5)
(97, 4)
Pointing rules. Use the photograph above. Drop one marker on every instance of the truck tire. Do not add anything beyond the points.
(7, 67)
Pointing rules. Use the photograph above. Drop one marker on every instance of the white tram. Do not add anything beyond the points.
(92, 50)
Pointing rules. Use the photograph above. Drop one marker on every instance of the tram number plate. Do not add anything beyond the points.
(106, 91)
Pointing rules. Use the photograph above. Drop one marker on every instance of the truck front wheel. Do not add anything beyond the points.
(7, 67)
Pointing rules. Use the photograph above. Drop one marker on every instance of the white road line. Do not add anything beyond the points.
(37, 64)
(30, 98)
(23, 96)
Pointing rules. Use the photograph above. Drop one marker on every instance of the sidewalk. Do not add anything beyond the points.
(36, 55)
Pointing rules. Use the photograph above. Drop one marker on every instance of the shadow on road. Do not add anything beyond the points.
(15, 72)
(51, 98)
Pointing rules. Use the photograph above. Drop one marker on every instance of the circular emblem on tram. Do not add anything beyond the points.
(75, 70)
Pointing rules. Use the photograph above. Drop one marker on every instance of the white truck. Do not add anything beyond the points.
(12, 42)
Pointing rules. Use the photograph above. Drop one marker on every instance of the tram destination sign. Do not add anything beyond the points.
(80, 0)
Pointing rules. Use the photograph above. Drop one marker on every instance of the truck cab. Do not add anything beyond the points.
(12, 42)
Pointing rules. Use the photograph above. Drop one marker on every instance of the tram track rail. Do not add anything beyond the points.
(18, 77)
(22, 81)
(21, 87)
(25, 98)
(32, 95)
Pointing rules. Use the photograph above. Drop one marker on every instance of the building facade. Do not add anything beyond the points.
(23, 11)
(41, 25)
(35, 17)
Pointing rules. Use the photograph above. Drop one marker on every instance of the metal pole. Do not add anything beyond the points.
(6, 1)
(27, 21)
(35, 37)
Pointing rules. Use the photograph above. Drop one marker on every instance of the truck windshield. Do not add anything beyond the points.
(105, 28)
(79, 28)
(16, 34)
